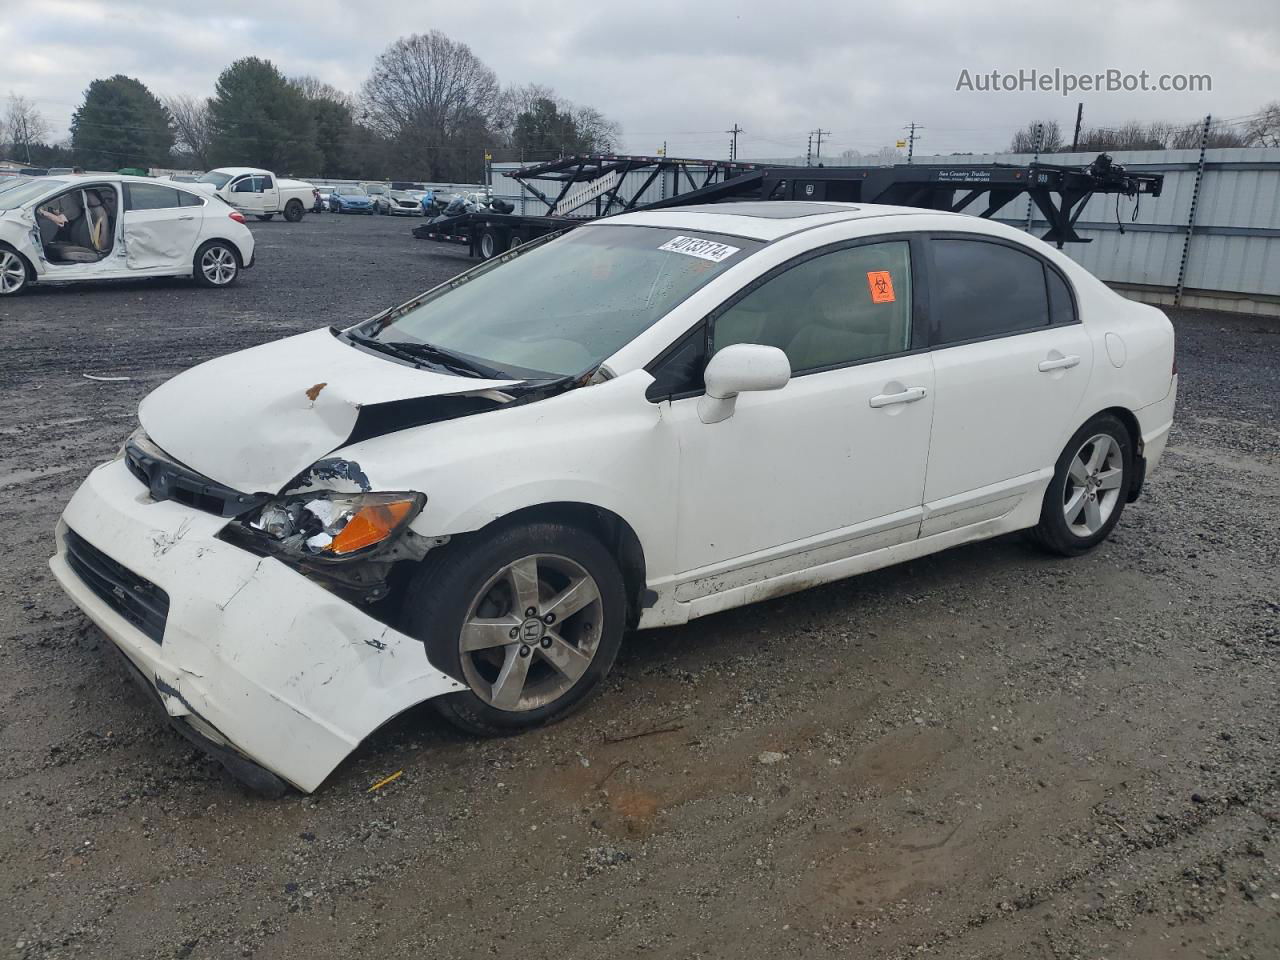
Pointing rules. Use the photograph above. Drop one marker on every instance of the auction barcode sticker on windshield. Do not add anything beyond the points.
(702, 249)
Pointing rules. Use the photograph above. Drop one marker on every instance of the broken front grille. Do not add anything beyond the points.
(169, 480)
(135, 598)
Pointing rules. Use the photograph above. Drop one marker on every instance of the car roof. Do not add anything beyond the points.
(236, 171)
(766, 219)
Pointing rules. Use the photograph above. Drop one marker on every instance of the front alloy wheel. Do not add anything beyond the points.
(13, 273)
(528, 618)
(531, 633)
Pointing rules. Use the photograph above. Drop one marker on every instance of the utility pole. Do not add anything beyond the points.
(808, 154)
(912, 127)
(733, 144)
(820, 133)
(1035, 160)
(1075, 138)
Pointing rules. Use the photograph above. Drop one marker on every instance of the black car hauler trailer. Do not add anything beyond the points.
(599, 184)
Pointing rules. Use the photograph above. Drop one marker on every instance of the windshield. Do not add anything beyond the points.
(19, 195)
(376, 190)
(219, 180)
(564, 307)
(349, 191)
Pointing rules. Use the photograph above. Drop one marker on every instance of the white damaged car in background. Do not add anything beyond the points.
(108, 227)
(470, 498)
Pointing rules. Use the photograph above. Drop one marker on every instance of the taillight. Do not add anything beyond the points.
(237, 216)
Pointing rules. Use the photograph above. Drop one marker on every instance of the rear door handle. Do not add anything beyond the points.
(909, 395)
(1059, 363)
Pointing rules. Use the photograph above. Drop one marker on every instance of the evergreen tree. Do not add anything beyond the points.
(121, 124)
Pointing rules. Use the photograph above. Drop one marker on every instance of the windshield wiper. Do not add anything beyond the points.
(431, 355)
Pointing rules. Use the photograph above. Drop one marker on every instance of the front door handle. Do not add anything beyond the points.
(1058, 363)
(909, 395)
(187, 218)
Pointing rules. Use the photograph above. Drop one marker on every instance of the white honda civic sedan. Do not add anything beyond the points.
(471, 497)
(106, 227)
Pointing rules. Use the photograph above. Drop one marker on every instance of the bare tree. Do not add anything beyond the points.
(595, 130)
(1264, 130)
(512, 102)
(25, 126)
(313, 88)
(191, 128)
(431, 95)
(1044, 136)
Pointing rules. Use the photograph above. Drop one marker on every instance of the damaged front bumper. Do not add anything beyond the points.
(252, 656)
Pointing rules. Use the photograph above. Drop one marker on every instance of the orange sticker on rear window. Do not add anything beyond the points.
(881, 285)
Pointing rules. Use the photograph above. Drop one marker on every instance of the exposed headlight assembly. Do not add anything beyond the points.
(327, 525)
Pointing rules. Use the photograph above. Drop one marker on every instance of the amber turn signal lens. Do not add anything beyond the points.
(370, 525)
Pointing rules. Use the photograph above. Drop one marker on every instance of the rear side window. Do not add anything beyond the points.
(1061, 307)
(831, 310)
(983, 289)
(189, 199)
(150, 196)
(264, 183)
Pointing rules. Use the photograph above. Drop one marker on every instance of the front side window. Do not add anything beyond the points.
(983, 289)
(243, 185)
(563, 307)
(834, 309)
(151, 196)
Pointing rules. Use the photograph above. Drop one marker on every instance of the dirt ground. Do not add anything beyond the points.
(986, 753)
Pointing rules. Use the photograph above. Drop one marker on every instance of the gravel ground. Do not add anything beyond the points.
(986, 753)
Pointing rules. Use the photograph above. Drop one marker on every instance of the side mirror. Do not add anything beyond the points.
(740, 368)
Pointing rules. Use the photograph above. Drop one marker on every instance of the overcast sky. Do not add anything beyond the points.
(686, 72)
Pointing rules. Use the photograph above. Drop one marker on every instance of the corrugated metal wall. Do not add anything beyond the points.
(1234, 258)
(1235, 246)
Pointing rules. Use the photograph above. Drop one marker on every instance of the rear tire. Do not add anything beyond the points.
(293, 211)
(521, 669)
(1089, 489)
(217, 264)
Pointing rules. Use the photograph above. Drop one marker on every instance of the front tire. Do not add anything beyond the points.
(217, 264)
(1089, 489)
(14, 272)
(293, 211)
(265, 216)
(529, 619)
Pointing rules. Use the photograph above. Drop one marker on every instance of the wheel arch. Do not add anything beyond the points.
(610, 528)
(1130, 421)
(205, 241)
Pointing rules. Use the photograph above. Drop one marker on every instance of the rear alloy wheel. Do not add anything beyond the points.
(1089, 489)
(13, 273)
(529, 619)
(293, 211)
(217, 265)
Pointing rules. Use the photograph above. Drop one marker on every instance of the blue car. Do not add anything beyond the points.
(350, 200)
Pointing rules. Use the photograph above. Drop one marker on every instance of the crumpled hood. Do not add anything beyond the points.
(256, 419)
